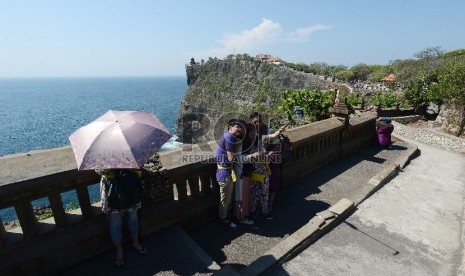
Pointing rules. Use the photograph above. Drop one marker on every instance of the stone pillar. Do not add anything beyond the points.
(157, 186)
(342, 111)
(378, 110)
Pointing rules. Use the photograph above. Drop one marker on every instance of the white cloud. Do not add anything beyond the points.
(303, 34)
(265, 33)
(247, 41)
(256, 39)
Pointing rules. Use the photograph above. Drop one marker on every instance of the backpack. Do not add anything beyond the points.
(123, 190)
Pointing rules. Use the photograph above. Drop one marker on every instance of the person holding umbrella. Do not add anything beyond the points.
(120, 193)
(116, 145)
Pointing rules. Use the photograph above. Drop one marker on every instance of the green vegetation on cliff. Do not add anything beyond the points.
(220, 89)
(234, 87)
(432, 76)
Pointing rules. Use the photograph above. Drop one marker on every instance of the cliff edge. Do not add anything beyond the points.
(219, 90)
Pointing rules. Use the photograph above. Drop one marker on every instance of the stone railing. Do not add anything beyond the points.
(186, 193)
(396, 112)
(320, 143)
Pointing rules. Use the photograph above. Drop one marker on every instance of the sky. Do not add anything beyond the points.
(47, 38)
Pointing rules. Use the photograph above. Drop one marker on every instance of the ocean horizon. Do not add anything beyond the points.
(41, 112)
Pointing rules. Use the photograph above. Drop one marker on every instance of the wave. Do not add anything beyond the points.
(171, 144)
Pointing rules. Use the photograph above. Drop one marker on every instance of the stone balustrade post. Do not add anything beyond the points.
(58, 211)
(342, 111)
(26, 218)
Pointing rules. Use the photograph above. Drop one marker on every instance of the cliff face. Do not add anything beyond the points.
(219, 90)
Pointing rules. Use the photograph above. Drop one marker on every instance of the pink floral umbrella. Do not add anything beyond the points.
(118, 140)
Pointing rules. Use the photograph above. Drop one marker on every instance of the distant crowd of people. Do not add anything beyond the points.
(365, 85)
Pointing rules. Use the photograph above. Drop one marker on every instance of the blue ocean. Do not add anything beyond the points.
(41, 113)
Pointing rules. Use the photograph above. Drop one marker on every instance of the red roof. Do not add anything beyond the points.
(274, 59)
(391, 77)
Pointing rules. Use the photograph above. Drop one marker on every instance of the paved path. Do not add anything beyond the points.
(412, 226)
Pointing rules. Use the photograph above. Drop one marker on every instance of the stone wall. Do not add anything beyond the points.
(407, 119)
(396, 112)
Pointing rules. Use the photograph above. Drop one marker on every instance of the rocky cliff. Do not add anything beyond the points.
(219, 90)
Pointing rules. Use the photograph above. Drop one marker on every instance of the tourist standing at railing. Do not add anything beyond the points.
(261, 175)
(242, 206)
(274, 146)
(121, 194)
(256, 119)
(228, 146)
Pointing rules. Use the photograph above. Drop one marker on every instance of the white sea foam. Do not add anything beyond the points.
(171, 144)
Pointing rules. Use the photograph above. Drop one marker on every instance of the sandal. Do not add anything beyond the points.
(119, 262)
(142, 251)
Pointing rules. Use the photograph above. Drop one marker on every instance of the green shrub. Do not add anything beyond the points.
(314, 103)
(387, 99)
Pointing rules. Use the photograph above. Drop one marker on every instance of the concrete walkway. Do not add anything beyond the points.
(414, 225)
(302, 213)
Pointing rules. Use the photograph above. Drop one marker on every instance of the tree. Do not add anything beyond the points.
(335, 69)
(319, 68)
(361, 71)
(452, 84)
(405, 71)
(411, 72)
(420, 78)
(378, 72)
(345, 75)
(454, 54)
(430, 53)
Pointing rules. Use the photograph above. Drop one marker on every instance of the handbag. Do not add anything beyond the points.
(257, 177)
